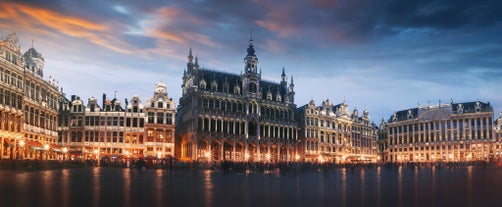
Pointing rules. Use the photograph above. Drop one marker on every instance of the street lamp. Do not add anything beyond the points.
(96, 151)
(246, 156)
(46, 148)
(127, 157)
(267, 156)
(21, 144)
(65, 150)
(321, 159)
(297, 157)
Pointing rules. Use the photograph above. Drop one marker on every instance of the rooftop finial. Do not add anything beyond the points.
(251, 34)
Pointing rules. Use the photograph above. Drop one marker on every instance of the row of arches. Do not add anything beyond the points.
(10, 122)
(233, 127)
(238, 151)
(35, 91)
(40, 118)
(224, 105)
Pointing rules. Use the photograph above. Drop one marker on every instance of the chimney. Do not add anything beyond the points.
(104, 99)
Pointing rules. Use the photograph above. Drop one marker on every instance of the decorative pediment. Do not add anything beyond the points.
(437, 114)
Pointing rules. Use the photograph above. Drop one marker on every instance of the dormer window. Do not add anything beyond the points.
(214, 86)
(410, 115)
(460, 109)
(237, 89)
(202, 85)
(160, 105)
(477, 107)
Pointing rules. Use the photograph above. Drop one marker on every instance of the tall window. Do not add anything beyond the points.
(160, 117)
(169, 118)
(151, 117)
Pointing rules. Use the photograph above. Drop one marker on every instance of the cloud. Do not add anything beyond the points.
(36, 18)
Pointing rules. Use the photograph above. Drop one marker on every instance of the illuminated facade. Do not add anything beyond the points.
(225, 116)
(497, 131)
(333, 134)
(445, 132)
(28, 105)
(113, 131)
(160, 122)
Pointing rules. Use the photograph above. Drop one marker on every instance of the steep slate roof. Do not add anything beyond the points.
(468, 107)
(233, 79)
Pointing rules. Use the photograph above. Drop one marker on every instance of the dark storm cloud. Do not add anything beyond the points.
(443, 14)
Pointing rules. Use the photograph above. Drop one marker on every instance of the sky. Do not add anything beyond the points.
(383, 56)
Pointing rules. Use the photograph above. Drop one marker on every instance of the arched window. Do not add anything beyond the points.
(252, 88)
(160, 104)
(252, 128)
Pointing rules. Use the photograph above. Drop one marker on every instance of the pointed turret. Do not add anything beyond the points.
(190, 57)
(196, 65)
(283, 75)
(291, 85)
(190, 61)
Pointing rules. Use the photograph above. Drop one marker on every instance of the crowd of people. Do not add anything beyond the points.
(228, 167)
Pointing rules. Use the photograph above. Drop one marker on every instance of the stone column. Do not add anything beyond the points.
(221, 151)
(233, 151)
(278, 152)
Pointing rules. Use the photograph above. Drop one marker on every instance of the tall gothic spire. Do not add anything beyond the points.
(190, 57)
(251, 61)
(283, 75)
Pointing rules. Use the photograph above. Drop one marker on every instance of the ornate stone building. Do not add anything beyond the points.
(28, 104)
(497, 133)
(160, 122)
(445, 132)
(331, 133)
(223, 116)
(113, 131)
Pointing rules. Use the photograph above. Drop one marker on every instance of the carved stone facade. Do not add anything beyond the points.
(28, 104)
(112, 131)
(331, 133)
(446, 132)
(497, 133)
(225, 116)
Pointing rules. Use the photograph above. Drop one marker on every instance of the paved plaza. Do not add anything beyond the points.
(462, 186)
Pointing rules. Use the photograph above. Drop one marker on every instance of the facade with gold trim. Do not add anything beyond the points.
(497, 133)
(28, 105)
(113, 131)
(452, 132)
(224, 116)
(330, 133)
